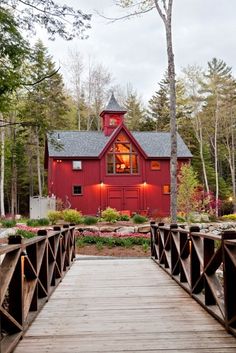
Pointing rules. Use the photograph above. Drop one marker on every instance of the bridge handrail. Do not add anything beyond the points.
(204, 264)
(30, 270)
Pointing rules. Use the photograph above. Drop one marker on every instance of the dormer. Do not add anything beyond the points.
(112, 116)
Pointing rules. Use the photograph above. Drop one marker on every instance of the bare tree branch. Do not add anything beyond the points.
(162, 15)
(125, 17)
(41, 79)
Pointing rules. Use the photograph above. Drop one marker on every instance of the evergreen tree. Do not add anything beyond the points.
(135, 112)
(44, 108)
(159, 107)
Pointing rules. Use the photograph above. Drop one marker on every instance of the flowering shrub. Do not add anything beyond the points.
(27, 228)
(87, 233)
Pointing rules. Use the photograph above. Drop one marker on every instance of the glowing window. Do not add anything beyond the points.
(166, 189)
(122, 157)
(155, 165)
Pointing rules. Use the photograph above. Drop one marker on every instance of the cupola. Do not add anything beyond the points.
(112, 116)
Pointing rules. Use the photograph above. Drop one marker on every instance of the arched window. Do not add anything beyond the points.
(122, 157)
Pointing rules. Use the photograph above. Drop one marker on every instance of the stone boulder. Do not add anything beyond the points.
(145, 228)
(125, 230)
(107, 229)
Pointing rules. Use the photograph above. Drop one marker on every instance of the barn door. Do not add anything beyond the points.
(124, 198)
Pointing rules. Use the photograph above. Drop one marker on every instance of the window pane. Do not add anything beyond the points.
(166, 189)
(155, 165)
(110, 167)
(135, 164)
(77, 190)
(77, 165)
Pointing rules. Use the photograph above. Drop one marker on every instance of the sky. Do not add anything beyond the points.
(134, 50)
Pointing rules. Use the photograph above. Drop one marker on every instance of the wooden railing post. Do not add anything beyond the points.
(194, 259)
(15, 294)
(173, 251)
(153, 232)
(229, 268)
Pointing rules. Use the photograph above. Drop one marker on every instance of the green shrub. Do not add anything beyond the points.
(54, 216)
(72, 216)
(113, 241)
(180, 219)
(229, 217)
(145, 246)
(43, 222)
(89, 220)
(99, 245)
(80, 242)
(8, 223)
(124, 217)
(128, 242)
(37, 222)
(110, 215)
(25, 233)
(139, 219)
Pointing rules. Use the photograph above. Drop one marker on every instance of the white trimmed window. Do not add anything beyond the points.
(76, 165)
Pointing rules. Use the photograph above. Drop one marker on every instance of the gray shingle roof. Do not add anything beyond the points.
(157, 144)
(91, 144)
(113, 106)
(76, 143)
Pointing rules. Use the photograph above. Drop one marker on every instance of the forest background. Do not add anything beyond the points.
(34, 101)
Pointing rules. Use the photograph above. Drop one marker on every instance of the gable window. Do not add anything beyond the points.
(122, 157)
(155, 165)
(76, 165)
(166, 189)
(77, 190)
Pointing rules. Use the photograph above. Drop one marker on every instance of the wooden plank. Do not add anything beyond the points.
(118, 306)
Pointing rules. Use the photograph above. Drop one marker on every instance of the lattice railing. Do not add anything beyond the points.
(30, 270)
(203, 264)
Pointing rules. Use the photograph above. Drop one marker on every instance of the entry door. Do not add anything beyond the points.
(124, 198)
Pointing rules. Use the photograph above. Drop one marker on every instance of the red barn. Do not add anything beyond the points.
(113, 167)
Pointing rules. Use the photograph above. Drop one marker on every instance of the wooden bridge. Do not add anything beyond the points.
(120, 305)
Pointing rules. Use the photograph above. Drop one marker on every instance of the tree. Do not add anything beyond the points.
(13, 50)
(217, 79)
(159, 108)
(45, 106)
(193, 78)
(135, 112)
(164, 9)
(57, 19)
(187, 190)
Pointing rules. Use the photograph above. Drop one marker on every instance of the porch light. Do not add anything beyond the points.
(144, 183)
(230, 199)
(101, 183)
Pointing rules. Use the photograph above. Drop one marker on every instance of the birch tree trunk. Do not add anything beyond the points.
(2, 168)
(216, 157)
(38, 163)
(167, 19)
(200, 140)
(13, 175)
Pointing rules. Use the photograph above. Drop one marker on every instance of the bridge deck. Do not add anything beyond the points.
(123, 305)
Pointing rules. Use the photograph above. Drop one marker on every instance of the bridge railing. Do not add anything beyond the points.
(203, 264)
(30, 270)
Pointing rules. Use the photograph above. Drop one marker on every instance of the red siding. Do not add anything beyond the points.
(120, 191)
